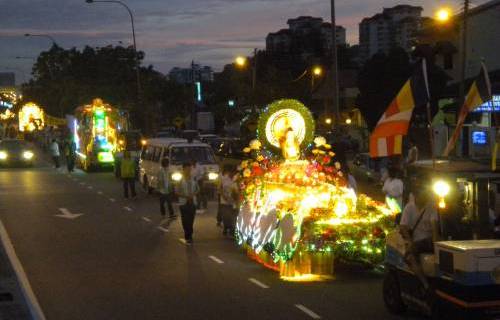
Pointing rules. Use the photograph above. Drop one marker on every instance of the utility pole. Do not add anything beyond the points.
(335, 75)
(464, 56)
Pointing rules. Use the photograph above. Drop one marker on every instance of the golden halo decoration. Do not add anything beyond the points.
(282, 116)
(280, 122)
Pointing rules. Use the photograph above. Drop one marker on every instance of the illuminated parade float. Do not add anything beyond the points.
(95, 129)
(31, 118)
(297, 214)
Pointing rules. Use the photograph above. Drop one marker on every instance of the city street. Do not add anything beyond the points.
(114, 262)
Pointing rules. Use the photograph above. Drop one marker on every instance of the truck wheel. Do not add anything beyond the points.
(392, 294)
(145, 185)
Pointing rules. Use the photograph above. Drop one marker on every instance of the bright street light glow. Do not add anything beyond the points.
(317, 71)
(240, 61)
(348, 121)
(3, 155)
(443, 14)
(441, 188)
(328, 121)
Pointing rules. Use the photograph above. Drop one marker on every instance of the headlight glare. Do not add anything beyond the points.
(3, 155)
(28, 155)
(213, 176)
(176, 176)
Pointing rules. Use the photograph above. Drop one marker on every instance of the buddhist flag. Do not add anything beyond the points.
(479, 93)
(387, 137)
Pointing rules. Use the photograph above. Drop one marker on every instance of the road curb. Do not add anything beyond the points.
(31, 300)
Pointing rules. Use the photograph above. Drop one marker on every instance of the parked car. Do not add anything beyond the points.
(230, 151)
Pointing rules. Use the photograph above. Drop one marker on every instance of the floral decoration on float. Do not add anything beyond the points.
(297, 214)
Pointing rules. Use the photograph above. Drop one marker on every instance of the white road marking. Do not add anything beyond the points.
(82, 183)
(99, 192)
(164, 230)
(307, 311)
(258, 283)
(66, 214)
(90, 187)
(112, 199)
(146, 219)
(128, 209)
(214, 258)
(27, 291)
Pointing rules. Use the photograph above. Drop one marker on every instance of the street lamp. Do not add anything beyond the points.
(335, 74)
(443, 15)
(41, 35)
(317, 71)
(240, 61)
(133, 37)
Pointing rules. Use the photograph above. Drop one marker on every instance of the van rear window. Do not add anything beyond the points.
(202, 155)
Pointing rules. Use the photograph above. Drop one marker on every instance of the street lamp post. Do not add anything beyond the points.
(241, 62)
(43, 36)
(335, 76)
(133, 38)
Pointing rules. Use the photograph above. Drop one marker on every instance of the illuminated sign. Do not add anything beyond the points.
(198, 91)
(491, 106)
(479, 138)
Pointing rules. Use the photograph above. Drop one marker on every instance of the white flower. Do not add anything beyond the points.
(337, 165)
(319, 141)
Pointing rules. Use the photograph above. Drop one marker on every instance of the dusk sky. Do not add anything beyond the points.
(171, 32)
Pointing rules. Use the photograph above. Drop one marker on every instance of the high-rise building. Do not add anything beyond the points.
(394, 27)
(305, 36)
(193, 74)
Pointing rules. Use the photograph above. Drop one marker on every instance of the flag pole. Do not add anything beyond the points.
(429, 114)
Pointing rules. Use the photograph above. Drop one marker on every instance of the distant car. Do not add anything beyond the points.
(15, 152)
(230, 151)
(364, 168)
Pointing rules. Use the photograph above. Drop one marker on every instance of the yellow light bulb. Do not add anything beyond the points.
(317, 71)
(241, 61)
(443, 14)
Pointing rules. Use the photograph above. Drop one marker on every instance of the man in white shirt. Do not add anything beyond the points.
(393, 189)
(55, 153)
(419, 226)
(165, 188)
(187, 191)
(228, 191)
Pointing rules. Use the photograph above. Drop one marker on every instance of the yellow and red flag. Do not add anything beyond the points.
(479, 93)
(387, 137)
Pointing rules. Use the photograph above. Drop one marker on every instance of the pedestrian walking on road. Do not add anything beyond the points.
(165, 188)
(54, 152)
(70, 154)
(198, 174)
(127, 170)
(187, 192)
(228, 201)
(393, 189)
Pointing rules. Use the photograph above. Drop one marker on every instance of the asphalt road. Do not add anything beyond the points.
(113, 262)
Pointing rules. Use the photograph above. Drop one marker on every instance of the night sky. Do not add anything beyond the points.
(171, 32)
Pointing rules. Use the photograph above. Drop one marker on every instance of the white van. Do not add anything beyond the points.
(178, 151)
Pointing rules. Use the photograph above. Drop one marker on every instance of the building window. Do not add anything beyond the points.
(448, 61)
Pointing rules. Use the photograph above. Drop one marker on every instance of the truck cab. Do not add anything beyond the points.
(463, 271)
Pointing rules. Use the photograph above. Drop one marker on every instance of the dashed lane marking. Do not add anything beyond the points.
(307, 311)
(214, 258)
(112, 199)
(146, 219)
(162, 229)
(258, 283)
(128, 209)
